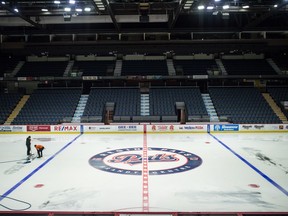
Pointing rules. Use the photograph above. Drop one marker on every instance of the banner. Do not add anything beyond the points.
(171, 128)
(40, 128)
(66, 128)
(113, 128)
(226, 127)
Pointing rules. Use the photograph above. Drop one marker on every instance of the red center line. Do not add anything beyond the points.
(145, 174)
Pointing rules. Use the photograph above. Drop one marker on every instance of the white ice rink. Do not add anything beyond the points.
(185, 173)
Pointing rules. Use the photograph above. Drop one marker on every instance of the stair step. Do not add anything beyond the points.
(210, 108)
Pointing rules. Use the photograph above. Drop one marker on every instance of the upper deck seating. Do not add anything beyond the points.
(46, 68)
(144, 67)
(94, 68)
(248, 67)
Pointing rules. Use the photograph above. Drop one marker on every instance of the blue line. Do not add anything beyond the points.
(38, 168)
(253, 167)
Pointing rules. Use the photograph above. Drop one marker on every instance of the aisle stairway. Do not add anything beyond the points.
(144, 110)
(17, 109)
(80, 109)
(210, 108)
(170, 67)
(275, 107)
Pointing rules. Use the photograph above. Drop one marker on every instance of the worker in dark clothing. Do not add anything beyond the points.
(28, 145)
(39, 149)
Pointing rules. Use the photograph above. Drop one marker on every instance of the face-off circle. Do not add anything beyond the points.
(162, 161)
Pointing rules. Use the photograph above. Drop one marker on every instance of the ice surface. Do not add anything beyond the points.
(64, 180)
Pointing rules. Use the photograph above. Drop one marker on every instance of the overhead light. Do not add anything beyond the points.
(67, 9)
(16, 10)
(245, 6)
(56, 2)
(44, 9)
(201, 7)
(225, 7)
(79, 9)
(71, 1)
(275, 6)
(87, 9)
(217, 0)
(210, 7)
(3, 3)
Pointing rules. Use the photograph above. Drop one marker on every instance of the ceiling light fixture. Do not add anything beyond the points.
(226, 7)
(67, 9)
(201, 7)
(87, 9)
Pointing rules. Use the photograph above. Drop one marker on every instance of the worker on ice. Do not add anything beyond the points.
(28, 145)
(39, 149)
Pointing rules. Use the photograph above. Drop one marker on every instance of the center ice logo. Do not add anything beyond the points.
(161, 161)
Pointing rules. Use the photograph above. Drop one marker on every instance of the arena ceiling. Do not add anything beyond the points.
(120, 16)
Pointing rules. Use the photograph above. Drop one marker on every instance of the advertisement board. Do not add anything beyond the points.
(226, 127)
(171, 128)
(66, 128)
(12, 129)
(113, 128)
(38, 128)
(263, 127)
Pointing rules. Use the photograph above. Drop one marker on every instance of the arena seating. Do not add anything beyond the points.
(144, 67)
(242, 105)
(49, 106)
(279, 94)
(7, 64)
(248, 67)
(7, 104)
(194, 67)
(163, 102)
(126, 103)
(45, 68)
(93, 68)
(282, 62)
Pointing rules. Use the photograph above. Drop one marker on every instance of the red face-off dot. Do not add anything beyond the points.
(254, 185)
(38, 185)
(207, 142)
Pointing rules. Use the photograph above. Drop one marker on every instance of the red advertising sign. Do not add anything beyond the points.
(38, 128)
